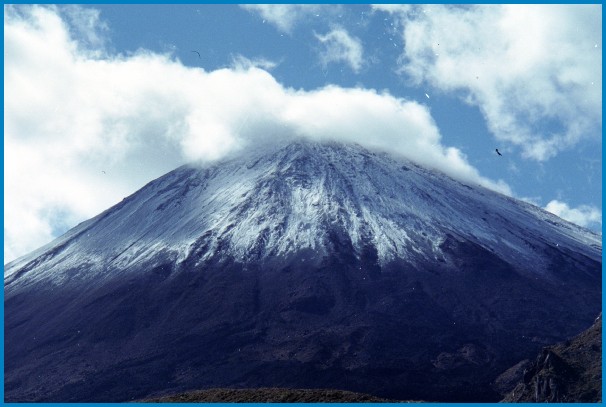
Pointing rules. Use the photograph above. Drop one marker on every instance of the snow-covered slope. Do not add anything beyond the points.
(277, 203)
(301, 265)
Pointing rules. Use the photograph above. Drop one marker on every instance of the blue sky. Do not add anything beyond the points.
(100, 99)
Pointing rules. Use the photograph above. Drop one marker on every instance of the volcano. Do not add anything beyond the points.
(302, 265)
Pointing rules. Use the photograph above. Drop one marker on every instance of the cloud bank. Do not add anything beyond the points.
(583, 215)
(82, 131)
(527, 67)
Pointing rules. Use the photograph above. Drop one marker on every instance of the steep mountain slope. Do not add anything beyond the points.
(306, 265)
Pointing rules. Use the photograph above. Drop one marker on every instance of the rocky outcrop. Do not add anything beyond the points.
(566, 372)
(509, 379)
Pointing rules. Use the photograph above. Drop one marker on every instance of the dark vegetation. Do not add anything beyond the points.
(269, 395)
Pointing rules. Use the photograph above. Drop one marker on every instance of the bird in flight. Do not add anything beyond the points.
(198, 54)
(497, 150)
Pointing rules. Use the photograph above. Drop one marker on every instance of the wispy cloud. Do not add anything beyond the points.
(83, 131)
(285, 16)
(533, 70)
(241, 62)
(339, 46)
(88, 26)
(583, 215)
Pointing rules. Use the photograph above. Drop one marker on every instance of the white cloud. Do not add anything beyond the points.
(87, 25)
(285, 16)
(392, 8)
(241, 62)
(339, 46)
(81, 133)
(535, 71)
(583, 215)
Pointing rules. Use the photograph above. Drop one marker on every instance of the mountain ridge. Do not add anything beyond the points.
(304, 206)
(309, 265)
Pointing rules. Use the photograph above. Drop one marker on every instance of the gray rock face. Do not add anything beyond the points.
(570, 371)
(305, 266)
(509, 379)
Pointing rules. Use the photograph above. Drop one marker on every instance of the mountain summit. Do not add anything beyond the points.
(304, 265)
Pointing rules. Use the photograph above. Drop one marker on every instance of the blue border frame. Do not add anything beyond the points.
(264, 404)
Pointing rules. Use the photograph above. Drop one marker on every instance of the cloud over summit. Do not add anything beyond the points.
(90, 127)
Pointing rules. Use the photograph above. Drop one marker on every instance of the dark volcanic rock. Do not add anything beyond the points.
(308, 266)
(570, 371)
